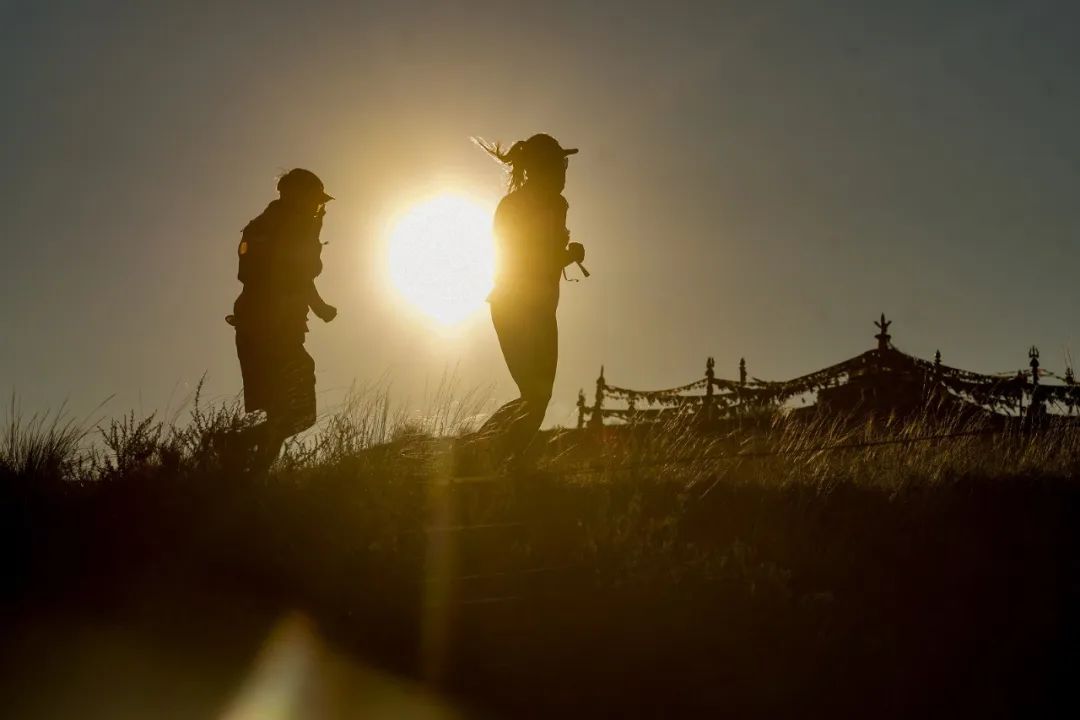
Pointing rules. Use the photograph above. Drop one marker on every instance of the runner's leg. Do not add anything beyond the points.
(529, 341)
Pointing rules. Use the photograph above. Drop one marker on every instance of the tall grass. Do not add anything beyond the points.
(58, 448)
(44, 448)
(772, 448)
(777, 448)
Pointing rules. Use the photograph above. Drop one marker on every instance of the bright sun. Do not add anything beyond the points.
(442, 256)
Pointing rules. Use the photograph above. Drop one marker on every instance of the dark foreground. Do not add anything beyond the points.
(347, 591)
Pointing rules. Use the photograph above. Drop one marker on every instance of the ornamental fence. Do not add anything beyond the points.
(884, 371)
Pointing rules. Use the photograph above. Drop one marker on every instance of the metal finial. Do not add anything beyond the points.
(1033, 353)
(883, 337)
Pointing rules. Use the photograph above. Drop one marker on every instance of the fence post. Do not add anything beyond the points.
(932, 389)
(1036, 408)
(597, 419)
(710, 374)
(1070, 382)
(1020, 383)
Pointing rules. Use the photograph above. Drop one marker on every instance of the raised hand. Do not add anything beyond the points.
(325, 312)
(576, 252)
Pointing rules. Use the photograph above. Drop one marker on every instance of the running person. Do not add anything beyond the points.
(280, 255)
(532, 249)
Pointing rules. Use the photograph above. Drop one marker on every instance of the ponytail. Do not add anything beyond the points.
(513, 159)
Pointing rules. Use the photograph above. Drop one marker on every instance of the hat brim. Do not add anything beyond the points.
(326, 197)
(570, 151)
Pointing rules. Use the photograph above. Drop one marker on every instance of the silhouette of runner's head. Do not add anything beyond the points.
(303, 187)
(538, 161)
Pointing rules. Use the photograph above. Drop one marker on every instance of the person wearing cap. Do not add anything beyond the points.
(533, 249)
(280, 255)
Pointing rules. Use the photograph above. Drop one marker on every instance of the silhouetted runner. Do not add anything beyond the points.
(532, 249)
(280, 255)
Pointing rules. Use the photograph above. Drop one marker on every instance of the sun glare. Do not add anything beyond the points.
(442, 257)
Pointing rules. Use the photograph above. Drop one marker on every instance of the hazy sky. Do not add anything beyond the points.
(756, 179)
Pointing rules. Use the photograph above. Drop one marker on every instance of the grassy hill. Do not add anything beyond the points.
(816, 567)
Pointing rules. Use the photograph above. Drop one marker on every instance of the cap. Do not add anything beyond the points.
(542, 143)
(301, 181)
